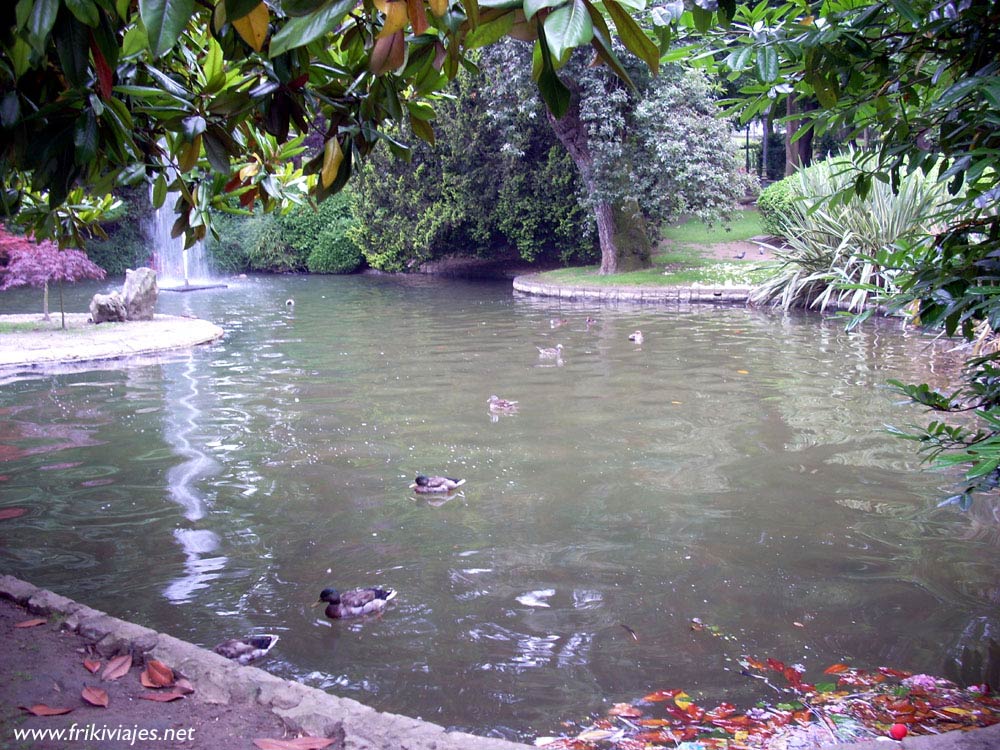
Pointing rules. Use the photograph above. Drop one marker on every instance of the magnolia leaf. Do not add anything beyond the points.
(767, 64)
(237, 9)
(553, 91)
(183, 686)
(40, 22)
(161, 697)
(439, 7)
(159, 673)
(85, 11)
(633, 37)
(422, 129)
(388, 54)
(568, 27)
(95, 696)
(117, 667)
(91, 665)
(189, 156)
(490, 32)
(33, 623)
(40, 709)
(299, 743)
(253, 26)
(531, 7)
(418, 17)
(332, 157)
(164, 21)
(396, 18)
(298, 32)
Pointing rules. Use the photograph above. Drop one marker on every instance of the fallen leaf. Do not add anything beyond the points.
(7, 513)
(836, 669)
(798, 624)
(625, 709)
(158, 674)
(595, 735)
(95, 696)
(299, 743)
(183, 686)
(161, 697)
(91, 666)
(743, 372)
(31, 623)
(117, 667)
(660, 695)
(40, 709)
(683, 700)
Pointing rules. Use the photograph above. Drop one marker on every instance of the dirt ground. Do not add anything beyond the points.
(44, 665)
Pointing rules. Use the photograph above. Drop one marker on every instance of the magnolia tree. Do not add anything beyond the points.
(31, 263)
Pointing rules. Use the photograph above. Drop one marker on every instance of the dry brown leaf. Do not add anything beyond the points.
(40, 709)
(117, 667)
(7, 513)
(299, 743)
(158, 674)
(31, 623)
(626, 710)
(162, 697)
(91, 665)
(95, 696)
(183, 686)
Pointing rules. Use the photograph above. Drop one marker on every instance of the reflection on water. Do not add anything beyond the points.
(733, 468)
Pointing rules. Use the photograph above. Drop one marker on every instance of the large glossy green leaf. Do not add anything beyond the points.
(301, 7)
(236, 9)
(568, 27)
(767, 64)
(164, 21)
(531, 7)
(85, 11)
(298, 32)
(40, 22)
(553, 91)
(490, 32)
(633, 37)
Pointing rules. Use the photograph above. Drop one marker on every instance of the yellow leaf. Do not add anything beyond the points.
(189, 156)
(743, 372)
(439, 7)
(253, 26)
(332, 156)
(250, 170)
(396, 18)
(683, 700)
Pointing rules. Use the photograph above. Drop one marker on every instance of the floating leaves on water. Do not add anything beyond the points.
(7, 513)
(95, 696)
(299, 743)
(117, 667)
(660, 695)
(91, 665)
(635, 636)
(626, 710)
(40, 709)
(156, 675)
(31, 623)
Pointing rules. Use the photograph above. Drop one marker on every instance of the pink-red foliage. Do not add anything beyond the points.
(30, 263)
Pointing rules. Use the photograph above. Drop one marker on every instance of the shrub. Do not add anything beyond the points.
(126, 246)
(335, 252)
(774, 202)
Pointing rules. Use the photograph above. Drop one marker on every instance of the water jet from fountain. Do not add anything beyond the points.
(178, 268)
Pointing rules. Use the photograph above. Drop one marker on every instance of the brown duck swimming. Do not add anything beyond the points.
(423, 485)
(355, 602)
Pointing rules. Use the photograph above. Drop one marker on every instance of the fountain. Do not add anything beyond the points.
(179, 269)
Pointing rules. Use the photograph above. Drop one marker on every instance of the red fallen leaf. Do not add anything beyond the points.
(654, 723)
(626, 710)
(117, 667)
(836, 669)
(95, 696)
(161, 697)
(157, 675)
(888, 672)
(31, 623)
(722, 711)
(7, 513)
(306, 743)
(91, 666)
(776, 665)
(661, 695)
(755, 663)
(40, 709)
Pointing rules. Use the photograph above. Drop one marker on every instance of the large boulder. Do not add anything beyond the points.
(139, 293)
(107, 308)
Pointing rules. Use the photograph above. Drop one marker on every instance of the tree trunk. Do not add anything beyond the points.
(798, 153)
(621, 229)
(45, 302)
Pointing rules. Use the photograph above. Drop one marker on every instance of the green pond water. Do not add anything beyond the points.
(732, 468)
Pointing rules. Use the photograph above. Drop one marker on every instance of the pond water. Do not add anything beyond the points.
(732, 468)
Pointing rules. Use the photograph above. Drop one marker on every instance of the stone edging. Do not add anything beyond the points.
(712, 295)
(219, 680)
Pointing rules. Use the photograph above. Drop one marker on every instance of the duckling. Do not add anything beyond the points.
(289, 302)
(423, 485)
(501, 405)
(636, 337)
(557, 322)
(553, 353)
(590, 321)
(355, 602)
(246, 650)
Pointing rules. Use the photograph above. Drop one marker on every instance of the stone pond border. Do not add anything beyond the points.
(220, 681)
(717, 294)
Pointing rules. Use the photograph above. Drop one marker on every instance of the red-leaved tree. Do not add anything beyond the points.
(24, 262)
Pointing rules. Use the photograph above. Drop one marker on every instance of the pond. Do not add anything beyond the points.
(734, 467)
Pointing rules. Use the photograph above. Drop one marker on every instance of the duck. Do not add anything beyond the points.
(591, 321)
(552, 353)
(246, 650)
(636, 337)
(556, 322)
(355, 602)
(423, 485)
(501, 405)
(289, 302)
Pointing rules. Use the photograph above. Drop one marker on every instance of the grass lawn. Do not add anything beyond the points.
(684, 259)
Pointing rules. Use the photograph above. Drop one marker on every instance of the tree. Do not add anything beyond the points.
(30, 263)
(923, 77)
(210, 97)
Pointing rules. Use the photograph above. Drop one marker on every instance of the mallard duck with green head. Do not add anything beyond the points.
(499, 405)
(355, 602)
(429, 485)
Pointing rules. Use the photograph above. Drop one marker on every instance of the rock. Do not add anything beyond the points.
(140, 292)
(107, 308)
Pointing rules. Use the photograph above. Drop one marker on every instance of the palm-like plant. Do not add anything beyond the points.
(836, 250)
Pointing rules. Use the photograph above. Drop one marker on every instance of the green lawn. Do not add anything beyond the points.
(682, 260)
